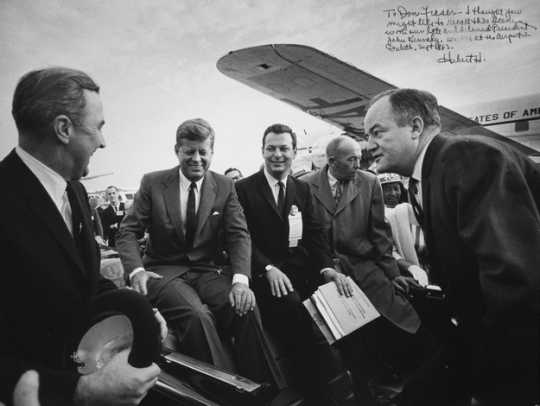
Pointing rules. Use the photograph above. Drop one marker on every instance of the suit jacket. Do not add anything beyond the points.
(44, 308)
(109, 217)
(156, 209)
(270, 230)
(362, 241)
(481, 203)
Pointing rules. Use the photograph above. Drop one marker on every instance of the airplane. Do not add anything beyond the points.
(338, 93)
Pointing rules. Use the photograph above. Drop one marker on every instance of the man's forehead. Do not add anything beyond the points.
(195, 144)
(377, 110)
(278, 138)
(349, 147)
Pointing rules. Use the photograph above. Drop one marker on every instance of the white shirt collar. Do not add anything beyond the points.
(272, 182)
(331, 179)
(54, 184)
(185, 182)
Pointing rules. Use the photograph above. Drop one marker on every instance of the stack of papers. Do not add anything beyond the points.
(336, 315)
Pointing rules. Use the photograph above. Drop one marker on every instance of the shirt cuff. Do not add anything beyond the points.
(326, 269)
(135, 271)
(239, 278)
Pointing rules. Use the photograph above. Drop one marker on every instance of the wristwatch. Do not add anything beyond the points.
(268, 267)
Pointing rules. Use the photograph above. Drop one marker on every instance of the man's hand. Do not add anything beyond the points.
(242, 298)
(26, 391)
(163, 330)
(403, 283)
(280, 284)
(343, 285)
(139, 280)
(117, 383)
(419, 275)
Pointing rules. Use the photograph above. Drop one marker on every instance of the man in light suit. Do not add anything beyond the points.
(478, 202)
(192, 215)
(46, 232)
(349, 204)
(287, 268)
(360, 238)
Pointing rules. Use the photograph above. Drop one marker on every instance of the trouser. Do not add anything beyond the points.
(317, 368)
(196, 307)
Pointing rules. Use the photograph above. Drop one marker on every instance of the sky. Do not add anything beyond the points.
(155, 62)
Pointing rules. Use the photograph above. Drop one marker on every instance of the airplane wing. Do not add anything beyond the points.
(326, 87)
(97, 176)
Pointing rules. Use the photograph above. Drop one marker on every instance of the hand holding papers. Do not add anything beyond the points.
(338, 315)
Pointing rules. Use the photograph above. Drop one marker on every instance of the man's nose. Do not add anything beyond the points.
(371, 144)
(196, 156)
(101, 141)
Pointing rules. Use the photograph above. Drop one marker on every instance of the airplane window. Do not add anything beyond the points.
(522, 126)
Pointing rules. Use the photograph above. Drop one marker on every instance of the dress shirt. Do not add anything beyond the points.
(54, 184)
(417, 172)
(273, 183)
(333, 182)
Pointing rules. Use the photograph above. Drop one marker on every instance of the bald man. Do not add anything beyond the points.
(349, 203)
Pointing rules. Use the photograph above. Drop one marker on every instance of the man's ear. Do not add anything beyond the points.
(417, 126)
(63, 128)
(176, 148)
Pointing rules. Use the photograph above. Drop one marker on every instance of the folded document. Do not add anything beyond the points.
(337, 315)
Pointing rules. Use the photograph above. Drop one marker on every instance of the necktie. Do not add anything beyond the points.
(65, 209)
(76, 215)
(339, 191)
(81, 238)
(191, 215)
(413, 193)
(281, 198)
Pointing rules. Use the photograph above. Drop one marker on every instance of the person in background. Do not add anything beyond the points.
(409, 247)
(111, 215)
(96, 220)
(234, 174)
(478, 202)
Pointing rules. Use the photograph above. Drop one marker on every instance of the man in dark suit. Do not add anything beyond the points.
(48, 239)
(112, 215)
(478, 202)
(290, 258)
(192, 215)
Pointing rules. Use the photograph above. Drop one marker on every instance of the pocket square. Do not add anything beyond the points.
(215, 213)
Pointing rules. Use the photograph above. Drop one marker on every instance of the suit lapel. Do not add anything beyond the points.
(351, 190)
(206, 202)
(85, 233)
(432, 153)
(266, 193)
(171, 192)
(45, 210)
(322, 191)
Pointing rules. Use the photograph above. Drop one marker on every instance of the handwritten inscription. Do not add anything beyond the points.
(445, 30)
